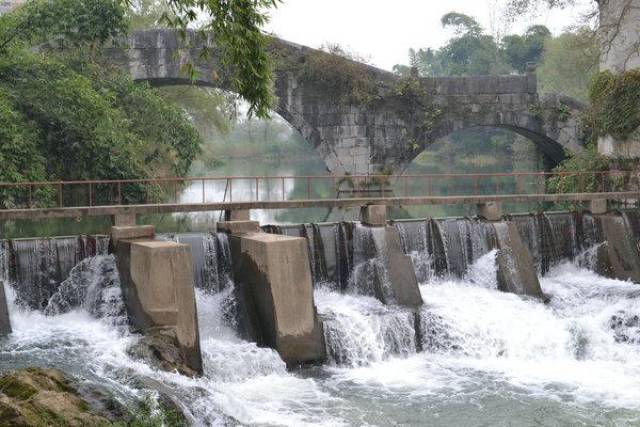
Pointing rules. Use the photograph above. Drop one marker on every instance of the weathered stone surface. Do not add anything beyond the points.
(238, 227)
(157, 288)
(5, 322)
(491, 211)
(131, 232)
(160, 347)
(619, 34)
(374, 215)
(516, 270)
(358, 137)
(273, 279)
(38, 397)
(618, 257)
(400, 271)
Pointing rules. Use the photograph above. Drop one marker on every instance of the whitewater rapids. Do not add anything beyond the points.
(488, 358)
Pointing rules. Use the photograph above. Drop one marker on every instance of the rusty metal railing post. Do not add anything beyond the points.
(90, 194)
(60, 195)
(284, 196)
(30, 197)
(308, 188)
(230, 189)
(204, 198)
(119, 192)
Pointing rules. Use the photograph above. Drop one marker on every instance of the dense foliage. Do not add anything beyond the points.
(472, 52)
(615, 103)
(568, 64)
(63, 117)
(237, 26)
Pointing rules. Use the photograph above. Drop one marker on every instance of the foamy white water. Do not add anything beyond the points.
(489, 358)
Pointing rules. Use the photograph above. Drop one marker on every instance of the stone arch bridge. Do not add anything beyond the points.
(361, 119)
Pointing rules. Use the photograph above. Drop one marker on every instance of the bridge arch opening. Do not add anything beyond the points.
(235, 144)
(487, 149)
(483, 150)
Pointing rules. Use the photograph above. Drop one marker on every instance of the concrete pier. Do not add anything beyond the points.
(238, 227)
(516, 270)
(157, 288)
(123, 219)
(374, 215)
(618, 256)
(400, 272)
(273, 280)
(598, 206)
(5, 322)
(491, 211)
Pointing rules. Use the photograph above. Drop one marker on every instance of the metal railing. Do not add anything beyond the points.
(230, 189)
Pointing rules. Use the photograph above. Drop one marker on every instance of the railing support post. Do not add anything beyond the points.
(123, 219)
(491, 211)
(598, 206)
(237, 215)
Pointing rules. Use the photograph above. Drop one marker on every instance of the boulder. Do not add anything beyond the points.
(36, 397)
(160, 348)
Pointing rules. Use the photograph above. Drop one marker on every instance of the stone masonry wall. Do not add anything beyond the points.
(382, 131)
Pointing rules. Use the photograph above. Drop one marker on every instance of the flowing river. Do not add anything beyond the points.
(488, 357)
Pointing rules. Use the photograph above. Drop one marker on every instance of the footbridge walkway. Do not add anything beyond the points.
(127, 198)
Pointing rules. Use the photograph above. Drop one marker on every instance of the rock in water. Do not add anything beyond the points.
(159, 347)
(43, 397)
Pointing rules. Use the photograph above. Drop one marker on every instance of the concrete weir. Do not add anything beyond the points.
(516, 270)
(273, 281)
(5, 322)
(156, 280)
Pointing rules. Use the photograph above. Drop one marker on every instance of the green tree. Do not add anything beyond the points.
(237, 26)
(469, 52)
(522, 49)
(569, 63)
(461, 23)
(63, 117)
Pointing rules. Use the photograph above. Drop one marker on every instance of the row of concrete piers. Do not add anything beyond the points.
(273, 283)
(274, 286)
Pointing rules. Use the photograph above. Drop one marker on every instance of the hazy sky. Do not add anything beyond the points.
(384, 30)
